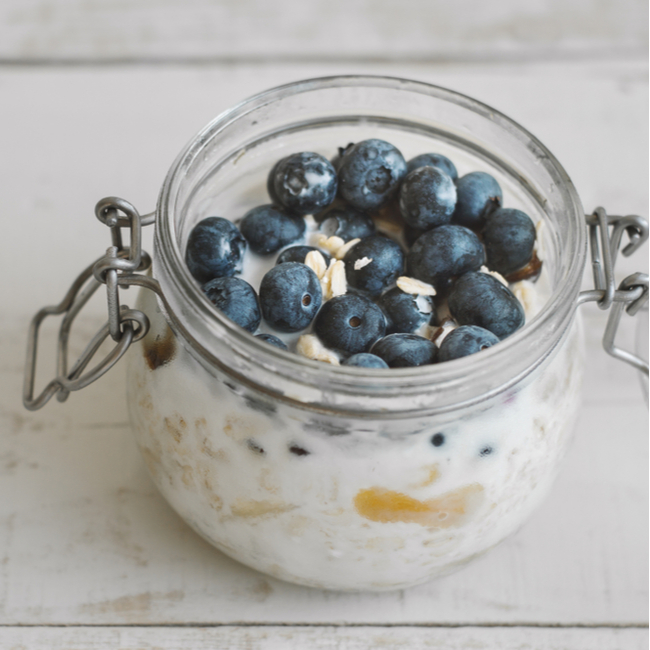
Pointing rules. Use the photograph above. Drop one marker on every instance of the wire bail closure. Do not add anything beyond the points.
(125, 326)
(120, 265)
(632, 292)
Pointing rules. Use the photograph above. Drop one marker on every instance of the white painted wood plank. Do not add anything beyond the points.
(84, 536)
(330, 29)
(322, 638)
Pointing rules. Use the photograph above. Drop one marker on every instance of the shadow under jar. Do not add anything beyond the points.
(341, 477)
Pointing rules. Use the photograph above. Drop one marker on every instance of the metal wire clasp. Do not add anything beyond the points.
(632, 292)
(116, 268)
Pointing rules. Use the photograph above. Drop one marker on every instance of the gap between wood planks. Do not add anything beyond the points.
(564, 626)
(614, 55)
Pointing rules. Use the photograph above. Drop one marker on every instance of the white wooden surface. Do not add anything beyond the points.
(326, 638)
(232, 30)
(86, 541)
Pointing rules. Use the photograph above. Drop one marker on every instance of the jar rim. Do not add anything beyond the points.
(175, 276)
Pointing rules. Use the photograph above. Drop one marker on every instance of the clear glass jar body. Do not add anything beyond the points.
(347, 478)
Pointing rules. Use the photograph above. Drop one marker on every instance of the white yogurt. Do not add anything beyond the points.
(356, 505)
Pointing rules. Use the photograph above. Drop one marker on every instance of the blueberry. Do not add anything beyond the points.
(267, 229)
(480, 299)
(405, 350)
(298, 254)
(347, 223)
(438, 439)
(304, 183)
(427, 198)
(290, 296)
(405, 312)
(433, 160)
(411, 235)
(509, 238)
(365, 360)
(385, 266)
(272, 340)
(370, 173)
(236, 299)
(269, 183)
(443, 253)
(465, 340)
(349, 323)
(478, 194)
(341, 151)
(215, 249)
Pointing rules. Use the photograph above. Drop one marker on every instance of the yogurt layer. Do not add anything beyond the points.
(346, 503)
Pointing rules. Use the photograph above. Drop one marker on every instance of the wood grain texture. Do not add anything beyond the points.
(321, 638)
(200, 30)
(84, 536)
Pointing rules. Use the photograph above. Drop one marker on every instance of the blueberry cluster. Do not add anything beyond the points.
(381, 262)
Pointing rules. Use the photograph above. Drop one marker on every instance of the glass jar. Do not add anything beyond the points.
(342, 477)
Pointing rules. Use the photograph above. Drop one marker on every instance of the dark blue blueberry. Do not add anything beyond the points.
(405, 312)
(385, 266)
(298, 254)
(509, 238)
(478, 194)
(411, 235)
(270, 181)
(236, 299)
(480, 299)
(405, 350)
(444, 253)
(365, 360)
(438, 439)
(486, 451)
(465, 340)
(290, 296)
(304, 183)
(267, 229)
(336, 161)
(215, 249)
(427, 198)
(272, 340)
(433, 160)
(370, 173)
(347, 223)
(349, 324)
(436, 319)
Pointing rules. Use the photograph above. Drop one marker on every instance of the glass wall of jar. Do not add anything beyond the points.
(349, 478)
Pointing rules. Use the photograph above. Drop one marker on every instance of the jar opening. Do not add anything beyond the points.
(233, 153)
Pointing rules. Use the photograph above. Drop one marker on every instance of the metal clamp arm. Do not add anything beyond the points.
(117, 268)
(632, 292)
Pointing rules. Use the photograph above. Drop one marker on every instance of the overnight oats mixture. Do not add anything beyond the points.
(374, 261)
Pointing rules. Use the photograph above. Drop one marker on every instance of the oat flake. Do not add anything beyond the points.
(310, 346)
(413, 286)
